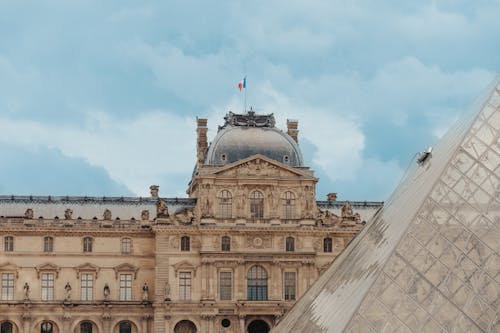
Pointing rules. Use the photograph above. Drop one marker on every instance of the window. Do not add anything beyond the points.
(86, 327)
(48, 244)
(256, 205)
(185, 244)
(288, 205)
(126, 245)
(87, 282)
(289, 286)
(125, 287)
(6, 327)
(47, 327)
(327, 244)
(87, 244)
(125, 327)
(185, 286)
(225, 284)
(226, 244)
(257, 284)
(8, 243)
(7, 286)
(47, 287)
(225, 204)
(290, 244)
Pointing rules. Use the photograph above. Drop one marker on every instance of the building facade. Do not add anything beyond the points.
(234, 256)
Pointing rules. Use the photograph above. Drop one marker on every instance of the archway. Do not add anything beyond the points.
(185, 326)
(8, 327)
(258, 326)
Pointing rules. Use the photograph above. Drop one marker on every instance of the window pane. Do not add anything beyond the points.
(257, 284)
(9, 244)
(48, 244)
(126, 245)
(289, 286)
(87, 281)
(288, 205)
(125, 287)
(290, 244)
(185, 285)
(226, 244)
(256, 205)
(185, 244)
(225, 286)
(7, 286)
(225, 204)
(47, 286)
(327, 245)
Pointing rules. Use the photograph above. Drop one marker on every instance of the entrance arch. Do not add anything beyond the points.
(258, 326)
(185, 326)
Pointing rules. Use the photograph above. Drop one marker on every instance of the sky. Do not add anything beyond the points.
(101, 97)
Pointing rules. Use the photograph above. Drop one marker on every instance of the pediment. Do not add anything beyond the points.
(184, 265)
(10, 267)
(87, 267)
(260, 166)
(126, 267)
(47, 267)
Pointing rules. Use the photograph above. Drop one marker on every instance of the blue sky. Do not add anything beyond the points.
(100, 98)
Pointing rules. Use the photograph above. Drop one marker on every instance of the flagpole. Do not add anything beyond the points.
(245, 105)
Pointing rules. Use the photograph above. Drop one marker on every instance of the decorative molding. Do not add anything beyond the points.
(185, 265)
(126, 268)
(10, 267)
(87, 267)
(47, 267)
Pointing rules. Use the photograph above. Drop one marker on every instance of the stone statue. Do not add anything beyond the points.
(347, 210)
(205, 201)
(106, 291)
(68, 213)
(272, 201)
(107, 215)
(145, 215)
(154, 190)
(67, 290)
(161, 208)
(145, 292)
(26, 290)
(167, 291)
(240, 203)
(28, 214)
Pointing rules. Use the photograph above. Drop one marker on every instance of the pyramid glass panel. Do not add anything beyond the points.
(430, 260)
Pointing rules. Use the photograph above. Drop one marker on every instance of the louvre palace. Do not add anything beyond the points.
(429, 261)
(233, 256)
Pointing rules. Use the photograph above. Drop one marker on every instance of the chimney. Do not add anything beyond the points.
(202, 143)
(293, 129)
(331, 197)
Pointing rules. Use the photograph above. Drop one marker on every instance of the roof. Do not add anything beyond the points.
(429, 260)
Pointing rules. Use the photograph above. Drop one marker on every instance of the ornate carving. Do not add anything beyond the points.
(174, 242)
(250, 119)
(347, 210)
(126, 267)
(145, 292)
(154, 190)
(26, 291)
(161, 208)
(184, 216)
(259, 242)
(167, 291)
(68, 214)
(328, 218)
(185, 265)
(107, 215)
(145, 215)
(67, 292)
(28, 214)
(204, 201)
(106, 292)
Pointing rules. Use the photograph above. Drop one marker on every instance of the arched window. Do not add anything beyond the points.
(256, 205)
(48, 244)
(86, 327)
(226, 243)
(87, 244)
(126, 245)
(125, 327)
(8, 243)
(185, 243)
(6, 327)
(257, 284)
(327, 244)
(46, 327)
(225, 204)
(290, 244)
(288, 205)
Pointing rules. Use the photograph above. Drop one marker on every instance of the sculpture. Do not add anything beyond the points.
(347, 210)
(161, 208)
(145, 215)
(68, 213)
(107, 215)
(167, 291)
(154, 190)
(28, 214)
(106, 291)
(26, 290)
(67, 290)
(145, 292)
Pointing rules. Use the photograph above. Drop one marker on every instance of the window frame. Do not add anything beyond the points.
(8, 281)
(124, 247)
(225, 244)
(289, 290)
(288, 205)
(85, 289)
(185, 243)
(47, 286)
(290, 244)
(225, 204)
(185, 285)
(86, 329)
(8, 243)
(88, 244)
(125, 285)
(256, 205)
(48, 244)
(257, 283)
(327, 245)
(225, 288)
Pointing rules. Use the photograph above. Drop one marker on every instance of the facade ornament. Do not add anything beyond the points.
(28, 214)
(205, 202)
(161, 208)
(347, 211)
(145, 292)
(68, 214)
(106, 291)
(107, 215)
(167, 292)
(26, 290)
(154, 190)
(67, 290)
(145, 215)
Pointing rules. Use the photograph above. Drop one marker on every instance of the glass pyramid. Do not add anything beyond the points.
(429, 261)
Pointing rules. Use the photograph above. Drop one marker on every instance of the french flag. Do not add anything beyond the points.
(242, 84)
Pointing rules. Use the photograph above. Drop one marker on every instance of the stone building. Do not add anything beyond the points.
(232, 257)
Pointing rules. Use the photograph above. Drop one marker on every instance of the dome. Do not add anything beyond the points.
(245, 135)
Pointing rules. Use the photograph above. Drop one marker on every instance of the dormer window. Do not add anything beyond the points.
(286, 159)
(223, 157)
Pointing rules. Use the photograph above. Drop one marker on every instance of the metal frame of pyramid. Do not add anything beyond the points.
(429, 261)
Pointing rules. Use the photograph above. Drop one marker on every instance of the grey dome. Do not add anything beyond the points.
(233, 143)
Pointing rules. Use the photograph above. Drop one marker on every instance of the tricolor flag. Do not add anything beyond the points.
(242, 84)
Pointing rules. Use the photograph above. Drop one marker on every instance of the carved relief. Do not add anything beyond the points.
(28, 214)
(328, 218)
(161, 208)
(174, 242)
(204, 200)
(107, 215)
(68, 214)
(259, 242)
(145, 215)
(184, 216)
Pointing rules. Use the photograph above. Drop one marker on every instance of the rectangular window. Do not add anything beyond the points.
(225, 286)
(126, 245)
(125, 287)
(87, 281)
(8, 243)
(185, 286)
(289, 286)
(47, 286)
(7, 286)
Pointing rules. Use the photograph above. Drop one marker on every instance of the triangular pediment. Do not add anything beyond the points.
(47, 267)
(260, 166)
(184, 265)
(9, 267)
(126, 267)
(86, 267)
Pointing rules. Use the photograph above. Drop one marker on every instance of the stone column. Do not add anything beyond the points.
(204, 281)
(145, 323)
(242, 324)
(168, 329)
(211, 291)
(26, 321)
(106, 323)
